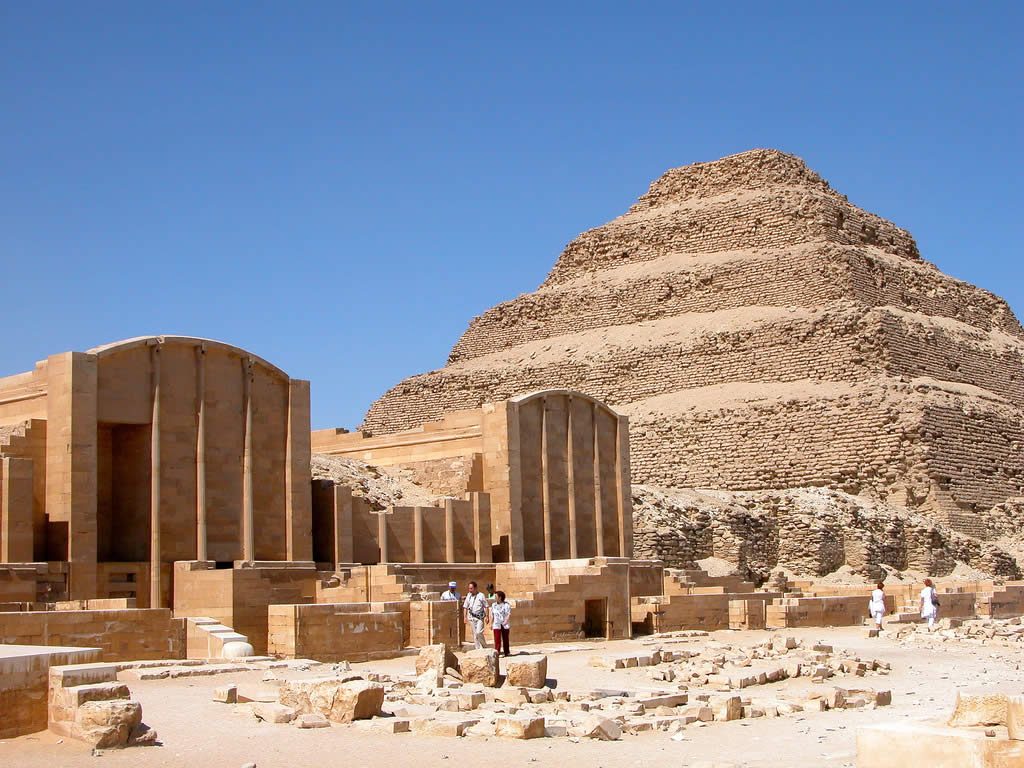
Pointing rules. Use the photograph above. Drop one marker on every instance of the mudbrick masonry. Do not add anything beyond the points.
(762, 332)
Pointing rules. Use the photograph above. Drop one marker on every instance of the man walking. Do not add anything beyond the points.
(475, 608)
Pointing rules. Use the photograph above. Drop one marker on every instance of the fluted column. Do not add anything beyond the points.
(545, 477)
(201, 452)
(155, 590)
(248, 537)
(598, 510)
(571, 477)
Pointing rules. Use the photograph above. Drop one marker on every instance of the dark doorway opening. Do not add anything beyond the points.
(595, 621)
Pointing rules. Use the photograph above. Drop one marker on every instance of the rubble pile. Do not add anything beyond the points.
(998, 632)
(813, 531)
(691, 686)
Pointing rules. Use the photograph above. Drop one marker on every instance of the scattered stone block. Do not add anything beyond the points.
(520, 727)
(272, 712)
(439, 657)
(469, 700)
(1015, 717)
(227, 694)
(337, 701)
(596, 727)
(974, 709)
(312, 721)
(526, 671)
(480, 666)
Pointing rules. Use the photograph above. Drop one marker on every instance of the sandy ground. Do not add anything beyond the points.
(195, 731)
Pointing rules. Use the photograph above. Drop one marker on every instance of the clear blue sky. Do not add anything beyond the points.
(339, 186)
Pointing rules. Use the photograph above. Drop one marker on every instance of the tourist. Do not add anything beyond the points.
(490, 592)
(500, 611)
(452, 593)
(877, 605)
(475, 607)
(929, 603)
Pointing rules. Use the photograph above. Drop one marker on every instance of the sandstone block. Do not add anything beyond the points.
(337, 701)
(729, 709)
(312, 721)
(469, 701)
(437, 657)
(1015, 717)
(520, 727)
(227, 694)
(597, 727)
(979, 709)
(480, 666)
(527, 671)
(271, 712)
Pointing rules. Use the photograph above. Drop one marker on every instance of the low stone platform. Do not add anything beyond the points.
(24, 671)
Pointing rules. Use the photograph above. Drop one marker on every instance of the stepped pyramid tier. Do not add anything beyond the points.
(761, 332)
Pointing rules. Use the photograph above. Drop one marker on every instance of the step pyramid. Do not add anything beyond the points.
(761, 332)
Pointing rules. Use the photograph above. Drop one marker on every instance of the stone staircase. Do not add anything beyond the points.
(207, 638)
(688, 581)
(87, 703)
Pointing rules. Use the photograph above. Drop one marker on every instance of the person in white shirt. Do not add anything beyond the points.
(929, 603)
(500, 611)
(877, 604)
(451, 594)
(475, 608)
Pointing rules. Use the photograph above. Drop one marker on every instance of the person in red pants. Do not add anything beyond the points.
(500, 611)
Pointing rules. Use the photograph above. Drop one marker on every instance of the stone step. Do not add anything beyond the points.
(71, 675)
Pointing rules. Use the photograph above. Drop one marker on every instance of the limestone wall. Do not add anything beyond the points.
(337, 632)
(123, 635)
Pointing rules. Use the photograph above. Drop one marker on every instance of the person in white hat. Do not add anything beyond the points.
(451, 594)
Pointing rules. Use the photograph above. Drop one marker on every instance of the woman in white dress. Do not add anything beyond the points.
(877, 605)
(929, 603)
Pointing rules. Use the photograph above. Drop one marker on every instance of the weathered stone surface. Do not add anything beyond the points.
(106, 724)
(597, 727)
(227, 694)
(439, 657)
(480, 666)
(312, 720)
(1015, 717)
(979, 709)
(270, 712)
(526, 671)
(520, 727)
(337, 701)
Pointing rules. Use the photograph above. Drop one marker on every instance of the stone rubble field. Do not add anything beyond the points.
(755, 699)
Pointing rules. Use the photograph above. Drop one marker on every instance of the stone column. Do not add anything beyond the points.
(545, 477)
(382, 536)
(449, 530)
(71, 464)
(570, 476)
(248, 536)
(16, 535)
(201, 452)
(482, 526)
(155, 563)
(417, 534)
(598, 509)
(343, 546)
(298, 496)
(623, 496)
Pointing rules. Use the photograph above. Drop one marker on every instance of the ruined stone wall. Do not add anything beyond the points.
(808, 531)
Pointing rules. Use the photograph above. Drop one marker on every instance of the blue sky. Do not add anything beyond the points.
(340, 187)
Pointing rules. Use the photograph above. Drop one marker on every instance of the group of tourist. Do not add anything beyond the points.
(929, 603)
(479, 609)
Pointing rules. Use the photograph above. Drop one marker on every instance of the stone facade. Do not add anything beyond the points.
(553, 463)
(149, 451)
(761, 332)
